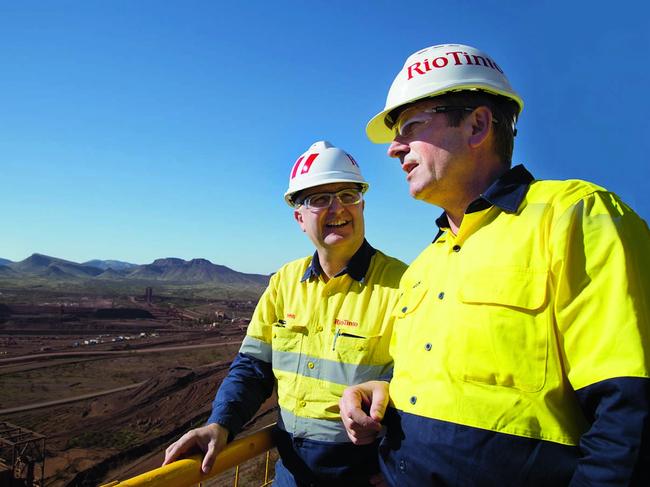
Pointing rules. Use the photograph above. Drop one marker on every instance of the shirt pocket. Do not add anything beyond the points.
(353, 348)
(287, 345)
(501, 326)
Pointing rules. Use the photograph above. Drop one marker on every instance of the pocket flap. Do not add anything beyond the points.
(410, 300)
(524, 288)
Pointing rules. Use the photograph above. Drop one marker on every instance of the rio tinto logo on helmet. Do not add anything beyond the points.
(306, 166)
(458, 58)
(301, 167)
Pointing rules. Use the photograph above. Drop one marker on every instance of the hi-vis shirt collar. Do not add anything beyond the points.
(356, 268)
(507, 193)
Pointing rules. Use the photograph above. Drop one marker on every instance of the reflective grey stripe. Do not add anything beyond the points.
(312, 429)
(327, 370)
(256, 348)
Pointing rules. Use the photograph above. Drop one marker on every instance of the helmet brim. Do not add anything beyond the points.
(379, 133)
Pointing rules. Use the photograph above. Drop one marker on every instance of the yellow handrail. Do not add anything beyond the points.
(187, 471)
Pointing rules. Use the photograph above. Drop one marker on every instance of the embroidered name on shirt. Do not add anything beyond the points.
(291, 315)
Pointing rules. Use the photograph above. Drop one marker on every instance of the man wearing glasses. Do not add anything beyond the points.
(323, 323)
(521, 344)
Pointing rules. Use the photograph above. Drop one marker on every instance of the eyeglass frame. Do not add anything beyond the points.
(331, 195)
(440, 109)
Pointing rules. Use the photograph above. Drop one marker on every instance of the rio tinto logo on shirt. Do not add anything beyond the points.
(345, 323)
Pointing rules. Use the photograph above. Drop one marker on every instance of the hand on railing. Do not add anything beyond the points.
(210, 440)
(188, 472)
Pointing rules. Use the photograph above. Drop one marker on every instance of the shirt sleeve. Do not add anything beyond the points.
(248, 384)
(250, 380)
(618, 411)
(601, 257)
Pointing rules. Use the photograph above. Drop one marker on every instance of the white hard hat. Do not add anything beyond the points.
(323, 163)
(437, 70)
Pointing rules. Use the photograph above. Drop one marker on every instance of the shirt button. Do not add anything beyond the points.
(427, 347)
(402, 466)
(319, 328)
(441, 295)
(413, 399)
(404, 309)
(310, 365)
(303, 404)
(456, 248)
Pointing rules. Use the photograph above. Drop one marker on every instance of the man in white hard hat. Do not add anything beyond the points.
(323, 323)
(522, 339)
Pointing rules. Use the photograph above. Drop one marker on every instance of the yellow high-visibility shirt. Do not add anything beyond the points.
(499, 325)
(321, 337)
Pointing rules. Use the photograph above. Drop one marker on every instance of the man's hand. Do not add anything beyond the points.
(209, 439)
(362, 427)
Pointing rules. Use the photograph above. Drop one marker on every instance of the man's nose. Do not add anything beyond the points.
(336, 205)
(398, 149)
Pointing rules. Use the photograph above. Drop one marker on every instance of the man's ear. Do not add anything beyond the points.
(298, 217)
(481, 123)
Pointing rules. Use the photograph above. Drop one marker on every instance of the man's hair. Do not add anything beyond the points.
(503, 109)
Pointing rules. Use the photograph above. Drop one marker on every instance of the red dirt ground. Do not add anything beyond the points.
(117, 436)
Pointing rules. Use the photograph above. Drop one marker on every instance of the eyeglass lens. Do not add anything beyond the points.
(324, 200)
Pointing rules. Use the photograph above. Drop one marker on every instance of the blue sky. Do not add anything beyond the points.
(134, 130)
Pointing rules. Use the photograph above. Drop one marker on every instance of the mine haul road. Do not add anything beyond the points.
(39, 356)
(33, 357)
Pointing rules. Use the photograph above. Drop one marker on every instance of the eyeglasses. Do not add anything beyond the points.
(321, 201)
(410, 126)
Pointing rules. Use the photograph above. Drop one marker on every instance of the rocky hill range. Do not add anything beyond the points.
(172, 270)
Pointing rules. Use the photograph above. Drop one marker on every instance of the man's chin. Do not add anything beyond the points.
(334, 239)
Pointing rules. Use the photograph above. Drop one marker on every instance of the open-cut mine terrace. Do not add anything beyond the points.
(109, 382)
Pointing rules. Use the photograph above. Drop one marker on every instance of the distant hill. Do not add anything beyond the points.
(111, 274)
(171, 269)
(194, 271)
(5, 261)
(116, 265)
(46, 266)
(7, 271)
